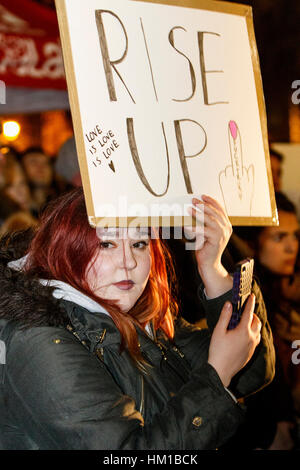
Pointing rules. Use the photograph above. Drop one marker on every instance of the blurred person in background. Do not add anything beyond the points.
(2, 164)
(277, 250)
(7, 205)
(7, 155)
(66, 164)
(15, 184)
(276, 159)
(43, 182)
(272, 414)
(16, 204)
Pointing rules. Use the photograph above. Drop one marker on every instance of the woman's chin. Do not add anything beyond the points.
(125, 308)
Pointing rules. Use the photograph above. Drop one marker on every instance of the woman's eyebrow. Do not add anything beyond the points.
(110, 232)
(280, 232)
(116, 233)
(139, 234)
(284, 232)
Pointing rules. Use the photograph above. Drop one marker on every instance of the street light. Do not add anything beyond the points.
(11, 130)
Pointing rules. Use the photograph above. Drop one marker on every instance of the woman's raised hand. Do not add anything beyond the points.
(230, 350)
(212, 232)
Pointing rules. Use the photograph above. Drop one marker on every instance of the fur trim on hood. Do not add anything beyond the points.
(23, 298)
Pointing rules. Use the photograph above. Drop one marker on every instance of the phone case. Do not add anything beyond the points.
(242, 285)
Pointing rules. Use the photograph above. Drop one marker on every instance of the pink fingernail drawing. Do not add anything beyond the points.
(233, 129)
(236, 155)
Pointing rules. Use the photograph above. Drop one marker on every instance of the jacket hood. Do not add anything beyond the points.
(23, 298)
(62, 290)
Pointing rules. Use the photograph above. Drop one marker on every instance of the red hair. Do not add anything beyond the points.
(62, 249)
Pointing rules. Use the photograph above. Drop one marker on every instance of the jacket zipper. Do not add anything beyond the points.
(163, 350)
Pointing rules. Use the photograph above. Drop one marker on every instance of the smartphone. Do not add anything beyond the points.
(242, 285)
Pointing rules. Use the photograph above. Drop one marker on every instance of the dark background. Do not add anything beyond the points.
(277, 29)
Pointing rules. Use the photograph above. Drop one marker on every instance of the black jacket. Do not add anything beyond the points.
(65, 385)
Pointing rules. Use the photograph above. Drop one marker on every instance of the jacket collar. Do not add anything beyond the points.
(96, 329)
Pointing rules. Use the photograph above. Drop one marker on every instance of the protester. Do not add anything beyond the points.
(7, 206)
(277, 251)
(276, 159)
(16, 204)
(43, 182)
(272, 414)
(96, 357)
(2, 166)
(66, 163)
(15, 184)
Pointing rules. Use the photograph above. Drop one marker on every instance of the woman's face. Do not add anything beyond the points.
(278, 246)
(38, 168)
(121, 267)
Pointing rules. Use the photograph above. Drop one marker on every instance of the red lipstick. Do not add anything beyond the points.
(124, 285)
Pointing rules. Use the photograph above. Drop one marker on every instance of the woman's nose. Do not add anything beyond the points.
(291, 245)
(127, 258)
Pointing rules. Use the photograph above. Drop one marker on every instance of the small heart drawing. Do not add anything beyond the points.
(111, 166)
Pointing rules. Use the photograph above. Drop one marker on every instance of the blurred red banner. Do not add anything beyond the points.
(30, 51)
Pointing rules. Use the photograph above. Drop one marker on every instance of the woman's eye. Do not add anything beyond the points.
(278, 238)
(105, 245)
(141, 244)
(108, 245)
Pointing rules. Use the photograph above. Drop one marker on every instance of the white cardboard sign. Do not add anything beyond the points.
(167, 104)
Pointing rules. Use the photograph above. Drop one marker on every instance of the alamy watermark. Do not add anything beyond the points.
(296, 94)
(2, 92)
(2, 352)
(296, 354)
(134, 225)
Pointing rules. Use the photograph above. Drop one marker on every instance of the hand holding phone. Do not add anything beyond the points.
(242, 285)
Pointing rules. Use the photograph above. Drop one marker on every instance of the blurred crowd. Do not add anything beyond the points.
(28, 181)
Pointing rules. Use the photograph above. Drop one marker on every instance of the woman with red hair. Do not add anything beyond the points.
(94, 354)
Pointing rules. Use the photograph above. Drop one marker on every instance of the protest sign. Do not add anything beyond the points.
(167, 104)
